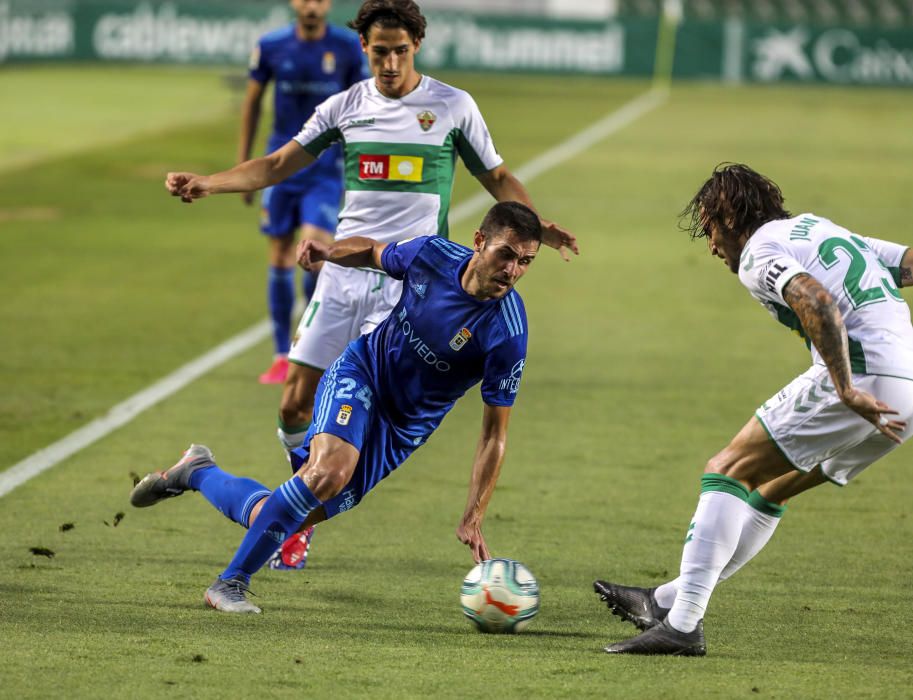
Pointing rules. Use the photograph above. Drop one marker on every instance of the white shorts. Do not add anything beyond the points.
(347, 302)
(812, 427)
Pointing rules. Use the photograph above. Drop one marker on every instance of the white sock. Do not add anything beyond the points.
(291, 440)
(760, 522)
(757, 529)
(712, 539)
(665, 593)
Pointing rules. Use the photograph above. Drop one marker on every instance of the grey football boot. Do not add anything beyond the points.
(664, 639)
(172, 482)
(230, 596)
(635, 605)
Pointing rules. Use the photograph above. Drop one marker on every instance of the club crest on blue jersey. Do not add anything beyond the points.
(460, 339)
(419, 288)
(345, 413)
(329, 62)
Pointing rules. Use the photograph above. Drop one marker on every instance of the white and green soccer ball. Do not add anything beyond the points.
(500, 595)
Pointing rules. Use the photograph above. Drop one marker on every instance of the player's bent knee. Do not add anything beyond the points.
(326, 482)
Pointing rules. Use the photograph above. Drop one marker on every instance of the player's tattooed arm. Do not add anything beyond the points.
(823, 324)
(906, 269)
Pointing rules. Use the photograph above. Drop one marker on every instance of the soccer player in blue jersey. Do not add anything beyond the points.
(458, 322)
(307, 62)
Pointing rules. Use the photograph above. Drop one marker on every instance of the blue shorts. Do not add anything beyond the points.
(284, 208)
(345, 406)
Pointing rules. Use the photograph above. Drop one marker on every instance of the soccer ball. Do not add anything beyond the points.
(500, 595)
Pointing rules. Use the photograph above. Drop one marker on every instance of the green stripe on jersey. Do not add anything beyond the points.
(437, 166)
(467, 153)
(323, 141)
(857, 357)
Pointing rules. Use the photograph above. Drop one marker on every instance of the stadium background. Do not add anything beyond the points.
(645, 357)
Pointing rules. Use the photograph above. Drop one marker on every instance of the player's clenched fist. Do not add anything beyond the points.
(310, 252)
(187, 186)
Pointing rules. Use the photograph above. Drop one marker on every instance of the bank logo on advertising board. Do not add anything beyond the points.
(836, 55)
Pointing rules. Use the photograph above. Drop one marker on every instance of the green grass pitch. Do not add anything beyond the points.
(645, 356)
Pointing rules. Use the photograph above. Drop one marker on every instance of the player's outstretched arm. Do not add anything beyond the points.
(824, 326)
(485, 469)
(248, 176)
(505, 187)
(356, 251)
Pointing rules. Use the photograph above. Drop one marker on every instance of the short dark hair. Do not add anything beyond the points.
(390, 14)
(516, 217)
(737, 199)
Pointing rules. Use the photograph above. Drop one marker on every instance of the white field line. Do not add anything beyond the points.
(126, 411)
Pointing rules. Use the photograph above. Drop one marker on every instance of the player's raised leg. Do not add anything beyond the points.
(646, 607)
(711, 540)
(233, 496)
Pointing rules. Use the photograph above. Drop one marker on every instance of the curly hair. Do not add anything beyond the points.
(735, 198)
(390, 14)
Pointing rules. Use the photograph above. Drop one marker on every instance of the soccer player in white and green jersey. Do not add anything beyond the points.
(839, 290)
(401, 133)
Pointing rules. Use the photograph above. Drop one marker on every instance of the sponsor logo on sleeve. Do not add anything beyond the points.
(774, 270)
(511, 383)
(402, 168)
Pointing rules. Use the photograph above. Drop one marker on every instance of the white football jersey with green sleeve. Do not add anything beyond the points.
(400, 155)
(862, 275)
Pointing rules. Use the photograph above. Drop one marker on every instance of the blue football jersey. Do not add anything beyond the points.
(439, 341)
(305, 73)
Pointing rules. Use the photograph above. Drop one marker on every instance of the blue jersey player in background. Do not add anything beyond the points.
(307, 62)
(459, 322)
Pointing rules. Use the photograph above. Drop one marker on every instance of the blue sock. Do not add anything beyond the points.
(282, 514)
(309, 283)
(233, 496)
(281, 298)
